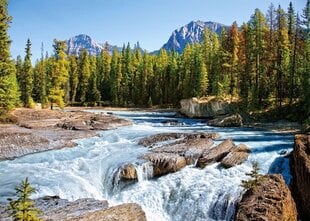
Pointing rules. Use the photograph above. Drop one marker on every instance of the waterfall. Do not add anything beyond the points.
(92, 170)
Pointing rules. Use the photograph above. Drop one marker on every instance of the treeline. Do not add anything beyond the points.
(263, 63)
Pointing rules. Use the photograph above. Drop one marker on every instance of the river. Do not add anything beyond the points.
(88, 170)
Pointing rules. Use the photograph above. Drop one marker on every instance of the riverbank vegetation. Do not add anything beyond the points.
(23, 208)
(263, 65)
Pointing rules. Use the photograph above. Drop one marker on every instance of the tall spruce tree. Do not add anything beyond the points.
(245, 66)
(26, 85)
(282, 58)
(115, 77)
(93, 94)
(292, 35)
(306, 63)
(84, 74)
(9, 94)
(258, 29)
(58, 75)
(103, 69)
(40, 80)
(233, 48)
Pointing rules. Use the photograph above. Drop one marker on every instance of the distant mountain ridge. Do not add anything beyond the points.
(190, 34)
(187, 34)
(77, 43)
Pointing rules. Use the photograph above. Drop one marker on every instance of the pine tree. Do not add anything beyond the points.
(84, 75)
(19, 69)
(233, 48)
(160, 80)
(39, 81)
(136, 62)
(213, 72)
(258, 29)
(104, 68)
(115, 77)
(306, 63)
(58, 75)
(245, 66)
(255, 179)
(222, 87)
(292, 35)
(26, 85)
(126, 75)
(9, 94)
(93, 94)
(282, 59)
(186, 83)
(271, 48)
(23, 208)
(73, 78)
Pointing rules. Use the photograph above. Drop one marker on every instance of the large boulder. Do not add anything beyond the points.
(237, 156)
(271, 200)
(164, 163)
(89, 121)
(208, 108)
(128, 172)
(301, 174)
(215, 154)
(128, 212)
(234, 120)
(152, 140)
(190, 149)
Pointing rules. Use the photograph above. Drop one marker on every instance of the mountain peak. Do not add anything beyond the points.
(189, 34)
(82, 41)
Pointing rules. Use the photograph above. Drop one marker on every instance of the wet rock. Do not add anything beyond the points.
(128, 212)
(234, 120)
(54, 209)
(215, 154)
(128, 172)
(164, 163)
(206, 108)
(237, 156)
(91, 121)
(271, 200)
(41, 130)
(171, 122)
(191, 149)
(282, 152)
(150, 141)
(301, 174)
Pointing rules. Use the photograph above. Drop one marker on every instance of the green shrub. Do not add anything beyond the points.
(255, 178)
(23, 208)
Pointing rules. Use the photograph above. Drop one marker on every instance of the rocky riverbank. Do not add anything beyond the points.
(41, 130)
(54, 209)
(222, 113)
(301, 174)
(269, 200)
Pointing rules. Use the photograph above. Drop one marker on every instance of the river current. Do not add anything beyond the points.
(192, 194)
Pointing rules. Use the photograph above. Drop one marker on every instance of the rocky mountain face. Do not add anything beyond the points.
(77, 43)
(190, 33)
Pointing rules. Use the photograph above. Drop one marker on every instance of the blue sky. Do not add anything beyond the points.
(150, 22)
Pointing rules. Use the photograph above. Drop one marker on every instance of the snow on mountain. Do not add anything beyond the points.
(190, 33)
(77, 43)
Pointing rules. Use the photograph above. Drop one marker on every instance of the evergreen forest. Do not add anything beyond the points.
(261, 64)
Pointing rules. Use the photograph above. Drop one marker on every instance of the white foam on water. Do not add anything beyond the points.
(90, 170)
